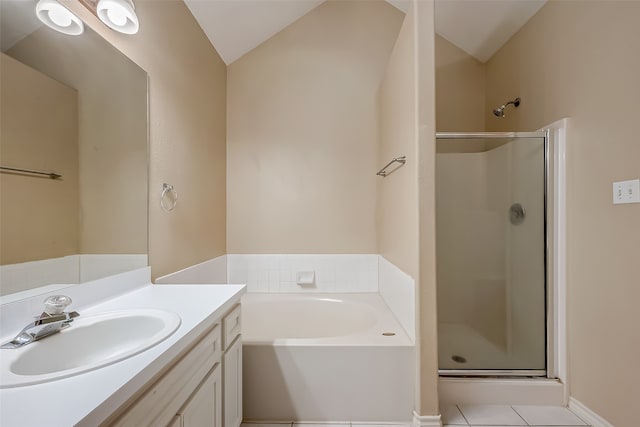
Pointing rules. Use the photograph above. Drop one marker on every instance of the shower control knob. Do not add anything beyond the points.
(516, 214)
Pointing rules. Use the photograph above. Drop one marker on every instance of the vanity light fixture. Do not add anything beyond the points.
(119, 15)
(58, 17)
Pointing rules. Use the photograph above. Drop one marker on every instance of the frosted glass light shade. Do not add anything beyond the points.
(119, 15)
(58, 17)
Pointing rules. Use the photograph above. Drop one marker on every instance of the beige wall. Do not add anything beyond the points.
(579, 60)
(426, 116)
(397, 206)
(460, 89)
(112, 135)
(302, 133)
(406, 201)
(187, 95)
(38, 215)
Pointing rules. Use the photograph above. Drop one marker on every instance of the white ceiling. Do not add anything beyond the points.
(17, 20)
(234, 27)
(479, 27)
(482, 27)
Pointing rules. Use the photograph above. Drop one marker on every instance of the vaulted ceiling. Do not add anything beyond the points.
(234, 27)
(17, 20)
(479, 27)
(482, 27)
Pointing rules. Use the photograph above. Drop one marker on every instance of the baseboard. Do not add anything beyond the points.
(426, 420)
(586, 414)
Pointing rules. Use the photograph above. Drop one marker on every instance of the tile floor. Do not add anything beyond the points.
(504, 415)
(477, 415)
(323, 425)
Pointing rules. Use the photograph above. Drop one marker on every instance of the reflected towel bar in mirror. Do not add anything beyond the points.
(51, 175)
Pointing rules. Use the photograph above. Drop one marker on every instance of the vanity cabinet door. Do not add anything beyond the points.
(204, 407)
(160, 403)
(232, 365)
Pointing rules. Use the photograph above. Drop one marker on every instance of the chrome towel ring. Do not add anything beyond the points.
(168, 192)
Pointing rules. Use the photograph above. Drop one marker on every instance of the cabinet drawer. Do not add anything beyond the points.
(231, 325)
(159, 404)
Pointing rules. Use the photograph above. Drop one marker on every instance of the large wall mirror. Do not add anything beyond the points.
(77, 107)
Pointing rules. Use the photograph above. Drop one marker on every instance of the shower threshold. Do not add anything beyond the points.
(501, 391)
(493, 373)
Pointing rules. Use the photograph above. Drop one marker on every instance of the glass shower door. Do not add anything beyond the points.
(491, 252)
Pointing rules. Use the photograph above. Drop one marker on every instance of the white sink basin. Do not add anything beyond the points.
(91, 342)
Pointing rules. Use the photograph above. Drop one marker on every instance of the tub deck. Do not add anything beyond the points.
(273, 319)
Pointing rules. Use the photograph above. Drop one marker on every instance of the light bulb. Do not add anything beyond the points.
(60, 16)
(117, 16)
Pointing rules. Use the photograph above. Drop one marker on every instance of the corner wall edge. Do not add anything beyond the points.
(586, 414)
(426, 420)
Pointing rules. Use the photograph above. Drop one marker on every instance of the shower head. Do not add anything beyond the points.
(499, 112)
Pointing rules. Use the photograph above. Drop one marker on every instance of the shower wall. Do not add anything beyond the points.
(490, 272)
(471, 242)
(526, 252)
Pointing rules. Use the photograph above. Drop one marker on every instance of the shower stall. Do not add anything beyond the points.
(491, 198)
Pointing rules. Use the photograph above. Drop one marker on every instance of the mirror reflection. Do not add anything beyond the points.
(76, 107)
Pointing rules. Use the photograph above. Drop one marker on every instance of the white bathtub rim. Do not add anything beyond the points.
(345, 341)
(372, 337)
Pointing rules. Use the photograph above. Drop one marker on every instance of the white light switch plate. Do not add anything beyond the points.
(626, 192)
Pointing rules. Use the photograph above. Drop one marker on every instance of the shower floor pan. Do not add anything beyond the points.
(462, 351)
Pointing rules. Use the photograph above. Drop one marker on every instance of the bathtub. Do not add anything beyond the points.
(325, 357)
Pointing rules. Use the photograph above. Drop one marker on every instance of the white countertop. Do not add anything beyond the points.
(89, 398)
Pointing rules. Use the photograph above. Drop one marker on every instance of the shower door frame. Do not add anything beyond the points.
(549, 351)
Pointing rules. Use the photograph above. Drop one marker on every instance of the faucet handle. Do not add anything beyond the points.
(56, 304)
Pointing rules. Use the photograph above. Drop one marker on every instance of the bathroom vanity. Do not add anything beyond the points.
(192, 393)
(191, 378)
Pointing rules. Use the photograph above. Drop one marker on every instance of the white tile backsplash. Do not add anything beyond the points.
(277, 273)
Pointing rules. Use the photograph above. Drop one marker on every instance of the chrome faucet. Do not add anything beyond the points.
(52, 320)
